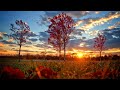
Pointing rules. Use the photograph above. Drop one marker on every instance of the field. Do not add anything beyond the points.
(69, 69)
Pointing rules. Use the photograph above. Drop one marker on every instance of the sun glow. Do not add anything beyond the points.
(80, 55)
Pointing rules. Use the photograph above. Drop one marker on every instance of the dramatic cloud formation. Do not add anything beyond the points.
(87, 25)
(99, 21)
(113, 37)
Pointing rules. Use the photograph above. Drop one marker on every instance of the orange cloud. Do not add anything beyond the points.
(1, 44)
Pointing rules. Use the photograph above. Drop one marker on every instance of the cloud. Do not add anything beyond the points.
(43, 36)
(1, 38)
(12, 45)
(77, 14)
(83, 44)
(28, 42)
(3, 50)
(114, 26)
(48, 14)
(44, 45)
(97, 12)
(1, 35)
(43, 20)
(92, 32)
(25, 50)
(7, 42)
(26, 46)
(33, 39)
(74, 43)
(113, 38)
(90, 23)
(10, 40)
(1, 44)
(31, 34)
(76, 34)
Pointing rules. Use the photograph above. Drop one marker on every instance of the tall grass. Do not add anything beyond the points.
(74, 69)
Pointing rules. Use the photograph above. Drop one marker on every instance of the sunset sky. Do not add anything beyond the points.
(88, 24)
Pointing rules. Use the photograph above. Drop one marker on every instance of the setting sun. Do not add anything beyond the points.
(80, 55)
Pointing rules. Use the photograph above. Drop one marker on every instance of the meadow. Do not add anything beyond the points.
(80, 69)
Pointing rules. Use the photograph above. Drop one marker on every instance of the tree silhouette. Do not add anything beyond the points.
(20, 33)
(99, 43)
(59, 30)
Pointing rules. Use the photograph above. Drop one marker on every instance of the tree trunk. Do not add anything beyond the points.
(64, 52)
(59, 54)
(19, 52)
(100, 55)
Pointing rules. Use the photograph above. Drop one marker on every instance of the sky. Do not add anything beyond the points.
(88, 25)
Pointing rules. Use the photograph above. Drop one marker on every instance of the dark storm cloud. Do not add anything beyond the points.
(33, 39)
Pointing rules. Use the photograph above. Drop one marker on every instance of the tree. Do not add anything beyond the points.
(55, 39)
(99, 43)
(61, 27)
(19, 34)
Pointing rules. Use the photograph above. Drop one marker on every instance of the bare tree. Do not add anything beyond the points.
(19, 34)
(99, 43)
(59, 30)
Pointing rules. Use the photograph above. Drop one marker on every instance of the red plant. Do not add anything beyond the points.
(106, 74)
(46, 72)
(11, 73)
(59, 30)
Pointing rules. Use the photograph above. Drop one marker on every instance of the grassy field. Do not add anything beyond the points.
(71, 69)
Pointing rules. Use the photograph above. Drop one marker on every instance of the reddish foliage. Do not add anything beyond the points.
(46, 72)
(59, 30)
(11, 73)
(107, 74)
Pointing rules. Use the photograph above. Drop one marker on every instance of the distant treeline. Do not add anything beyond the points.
(68, 57)
(107, 57)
